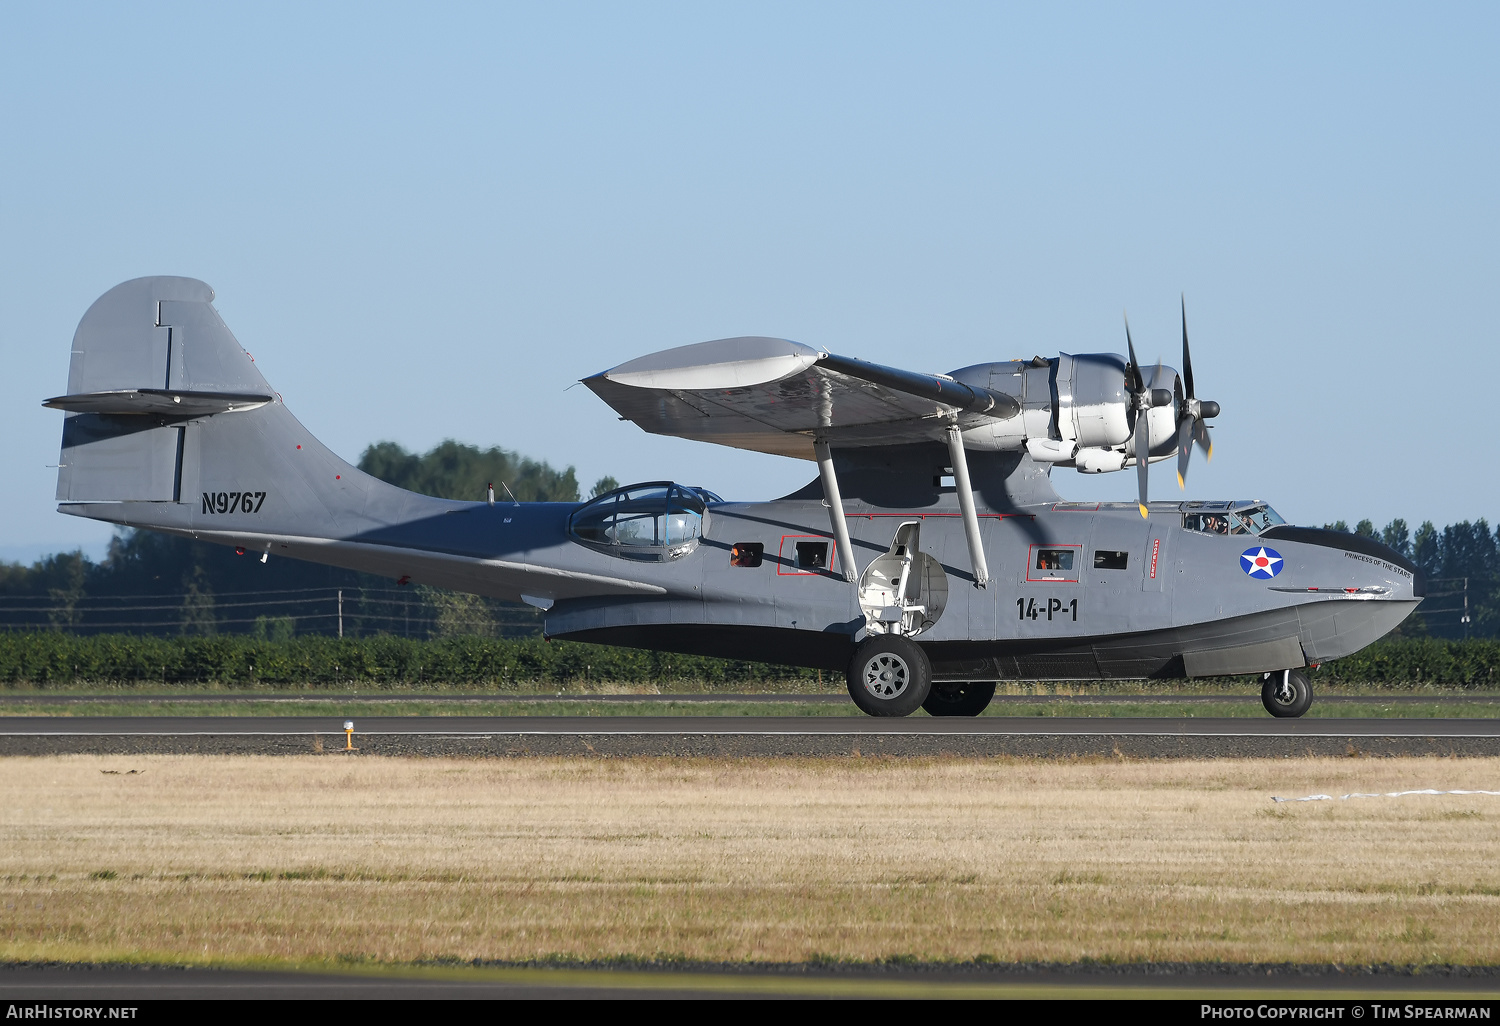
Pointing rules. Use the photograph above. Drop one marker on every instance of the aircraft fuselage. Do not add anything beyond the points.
(1076, 590)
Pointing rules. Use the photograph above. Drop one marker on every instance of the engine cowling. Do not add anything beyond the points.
(1068, 404)
(1074, 410)
(1090, 403)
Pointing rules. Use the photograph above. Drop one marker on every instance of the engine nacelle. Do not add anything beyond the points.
(1074, 409)
(1089, 399)
(1162, 431)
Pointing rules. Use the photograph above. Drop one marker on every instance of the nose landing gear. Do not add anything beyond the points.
(1286, 693)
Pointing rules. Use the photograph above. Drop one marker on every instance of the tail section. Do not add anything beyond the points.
(170, 425)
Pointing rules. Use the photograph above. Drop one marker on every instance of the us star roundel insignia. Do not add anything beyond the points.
(1261, 562)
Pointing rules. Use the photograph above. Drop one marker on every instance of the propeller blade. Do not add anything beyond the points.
(1139, 386)
(1184, 449)
(1142, 453)
(1201, 435)
(1187, 360)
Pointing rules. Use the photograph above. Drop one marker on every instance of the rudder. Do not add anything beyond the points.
(143, 349)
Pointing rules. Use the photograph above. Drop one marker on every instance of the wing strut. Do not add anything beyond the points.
(835, 509)
(966, 505)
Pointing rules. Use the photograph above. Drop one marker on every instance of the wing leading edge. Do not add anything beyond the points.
(777, 396)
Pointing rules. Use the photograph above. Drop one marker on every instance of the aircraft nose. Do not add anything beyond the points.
(1372, 563)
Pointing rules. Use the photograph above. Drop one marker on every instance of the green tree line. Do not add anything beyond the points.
(1462, 564)
(160, 584)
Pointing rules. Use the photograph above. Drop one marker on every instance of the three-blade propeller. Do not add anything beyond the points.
(1191, 412)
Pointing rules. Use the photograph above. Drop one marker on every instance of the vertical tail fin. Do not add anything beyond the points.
(170, 425)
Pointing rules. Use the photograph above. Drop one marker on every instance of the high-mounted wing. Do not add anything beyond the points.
(774, 395)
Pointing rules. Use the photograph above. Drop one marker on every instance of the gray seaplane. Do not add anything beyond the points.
(929, 559)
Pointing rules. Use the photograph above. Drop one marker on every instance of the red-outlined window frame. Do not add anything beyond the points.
(787, 567)
(1077, 570)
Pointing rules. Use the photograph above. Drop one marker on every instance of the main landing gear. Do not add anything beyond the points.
(968, 698)
(891, 676)
(1286, 693)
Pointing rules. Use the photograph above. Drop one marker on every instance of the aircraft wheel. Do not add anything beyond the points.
(889, 676)
(967, 699)
(1286, 693)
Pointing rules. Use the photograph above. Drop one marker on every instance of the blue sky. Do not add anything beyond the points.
(427, 221)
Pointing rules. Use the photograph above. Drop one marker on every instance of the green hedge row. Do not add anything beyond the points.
(1415, 661)
(48, 658)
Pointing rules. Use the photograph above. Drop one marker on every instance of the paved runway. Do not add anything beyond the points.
(780, 725)
(1249, 698)
(729, 736)
(125, 984)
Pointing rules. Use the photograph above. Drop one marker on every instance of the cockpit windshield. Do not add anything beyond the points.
(1249, 521)
(654, 521)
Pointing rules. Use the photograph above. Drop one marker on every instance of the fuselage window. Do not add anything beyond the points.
(1240, 522)
(1053, 563)
(812, 555)
(1054, 559)
(1111, 560)
(747, 554)
(656, 521)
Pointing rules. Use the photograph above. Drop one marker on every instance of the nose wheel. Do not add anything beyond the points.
(889, 676)
(1286, 693)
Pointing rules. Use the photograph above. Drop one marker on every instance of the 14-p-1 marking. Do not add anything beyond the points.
(1026, 608)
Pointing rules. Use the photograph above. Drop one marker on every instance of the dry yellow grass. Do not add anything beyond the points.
(243, 858)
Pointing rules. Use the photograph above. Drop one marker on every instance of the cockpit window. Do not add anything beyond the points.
(1249, 521)
(655, 521)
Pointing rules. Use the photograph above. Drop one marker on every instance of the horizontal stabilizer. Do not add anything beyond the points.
(158, 401)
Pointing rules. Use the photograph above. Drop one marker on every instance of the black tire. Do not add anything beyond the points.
(889, 676)
(967, 699)
(1286, 693)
